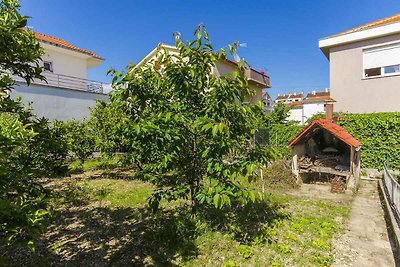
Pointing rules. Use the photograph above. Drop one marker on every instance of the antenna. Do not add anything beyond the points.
(235, 54)
(177, 34)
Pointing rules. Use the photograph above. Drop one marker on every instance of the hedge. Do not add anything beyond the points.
(379, 134)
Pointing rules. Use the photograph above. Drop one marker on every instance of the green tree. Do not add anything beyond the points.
(29, 147)
(20, 52)
(192, 130)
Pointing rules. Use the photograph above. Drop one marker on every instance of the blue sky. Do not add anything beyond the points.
(281, 36)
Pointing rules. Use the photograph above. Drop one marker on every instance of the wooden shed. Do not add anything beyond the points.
(324, 151)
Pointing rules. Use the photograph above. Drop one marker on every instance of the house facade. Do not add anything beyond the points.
(66, 93)
(257, 80)
(365, 67)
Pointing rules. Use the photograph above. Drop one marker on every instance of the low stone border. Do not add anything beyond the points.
(391, 217)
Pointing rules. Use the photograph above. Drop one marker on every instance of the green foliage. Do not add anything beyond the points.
(20, 51)
(24, 156)
(111, 128)
(379, 134)
(80, 138)
(189, 131)
(282, 134)
(245, 251)
(29, 147)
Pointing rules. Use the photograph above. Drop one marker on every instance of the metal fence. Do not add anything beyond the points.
(393, 189)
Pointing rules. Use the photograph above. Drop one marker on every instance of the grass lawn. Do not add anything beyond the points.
(103, 220)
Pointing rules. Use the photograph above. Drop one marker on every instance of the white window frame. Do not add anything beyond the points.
(383, 74)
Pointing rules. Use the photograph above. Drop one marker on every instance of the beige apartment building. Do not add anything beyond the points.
(365, 67)
(257, 80)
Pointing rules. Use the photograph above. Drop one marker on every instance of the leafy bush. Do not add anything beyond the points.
(79, 136)
(26, 152)
(111, 126)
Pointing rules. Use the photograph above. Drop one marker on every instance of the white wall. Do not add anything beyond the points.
(310, 109)
(296, 114)
(57, 103)
(66, 62)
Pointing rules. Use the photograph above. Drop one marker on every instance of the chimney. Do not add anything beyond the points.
(329, 110)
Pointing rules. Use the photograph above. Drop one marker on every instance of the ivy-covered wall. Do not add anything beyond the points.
(379, 134)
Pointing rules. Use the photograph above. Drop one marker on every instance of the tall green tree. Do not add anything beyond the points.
(193, 131)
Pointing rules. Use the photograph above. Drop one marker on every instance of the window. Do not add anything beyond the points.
(372, 72)
(380, 61)
(392, 69)
(48, 66)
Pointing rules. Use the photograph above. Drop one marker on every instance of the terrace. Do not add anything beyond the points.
(70, 82)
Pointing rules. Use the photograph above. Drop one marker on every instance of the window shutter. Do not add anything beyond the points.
(381, 56)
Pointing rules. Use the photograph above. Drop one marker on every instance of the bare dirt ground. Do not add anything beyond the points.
(365, 241)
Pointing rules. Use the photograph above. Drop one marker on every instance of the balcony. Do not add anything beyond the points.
(69, 82)
(257, 77)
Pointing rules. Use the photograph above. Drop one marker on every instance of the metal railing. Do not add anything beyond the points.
(69, 82)
(393, 189)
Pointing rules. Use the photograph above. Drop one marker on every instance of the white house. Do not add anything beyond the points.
(289, 98)
(257, 80)
(66, 93)
(314, 103)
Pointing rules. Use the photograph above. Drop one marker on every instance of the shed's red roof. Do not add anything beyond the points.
(62, 43)
(332, 128)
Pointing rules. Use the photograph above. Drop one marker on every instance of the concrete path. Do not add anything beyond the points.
(365, 241)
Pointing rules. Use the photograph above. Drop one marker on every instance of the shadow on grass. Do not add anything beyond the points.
(100, 236)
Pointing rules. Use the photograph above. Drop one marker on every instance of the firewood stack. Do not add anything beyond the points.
(320, 161)
(338, 185)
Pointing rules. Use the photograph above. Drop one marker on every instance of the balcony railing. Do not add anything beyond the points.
(257, 77)
(69, 82)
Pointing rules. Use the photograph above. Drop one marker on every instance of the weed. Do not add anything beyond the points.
(245, 251)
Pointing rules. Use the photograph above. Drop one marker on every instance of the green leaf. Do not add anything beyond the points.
(217, 200)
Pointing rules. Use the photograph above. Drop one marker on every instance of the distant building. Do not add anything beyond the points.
(365, 67)
(289, 98)
(67, 93)
(314, 103)
(268, 103)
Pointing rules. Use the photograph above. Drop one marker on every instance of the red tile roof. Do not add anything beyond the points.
(290, 96)
(332, 128)
(62, 43)
(318, 96)
(381, 22)
(294, 104)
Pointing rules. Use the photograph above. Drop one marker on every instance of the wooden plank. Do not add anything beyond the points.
(324, 170)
